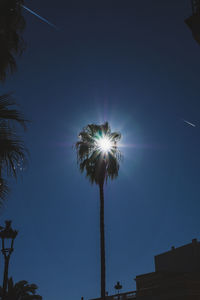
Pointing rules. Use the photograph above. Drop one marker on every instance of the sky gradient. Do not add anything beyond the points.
(133, 64)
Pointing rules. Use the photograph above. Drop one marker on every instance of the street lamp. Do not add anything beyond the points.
(118, 287)
(7, 236)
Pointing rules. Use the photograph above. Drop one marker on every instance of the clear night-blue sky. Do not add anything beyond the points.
(136, 65)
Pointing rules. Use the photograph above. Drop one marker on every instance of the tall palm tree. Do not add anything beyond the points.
(21, 290)
(13, 153)
(99, 156)
(12, 24)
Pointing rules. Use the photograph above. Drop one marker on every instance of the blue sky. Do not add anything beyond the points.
(136, 65)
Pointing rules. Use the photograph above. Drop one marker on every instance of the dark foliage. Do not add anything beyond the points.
(13, 153)
(12, 24)
(21, 290)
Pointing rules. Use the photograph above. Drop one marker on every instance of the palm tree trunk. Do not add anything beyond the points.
(102, 243)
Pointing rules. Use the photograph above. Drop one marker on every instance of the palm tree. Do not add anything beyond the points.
(99, 156)
(12, 24)
(12, 150)
(21, 291)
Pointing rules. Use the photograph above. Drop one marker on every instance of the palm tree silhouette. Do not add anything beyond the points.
(12, 24)
(21, 290)
(99, 156)
(13, 154)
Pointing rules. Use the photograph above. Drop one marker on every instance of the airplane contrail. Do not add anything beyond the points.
(189, 123)
(38, 16)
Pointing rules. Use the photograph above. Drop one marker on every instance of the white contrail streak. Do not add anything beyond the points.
(189, 123)
(38, 16)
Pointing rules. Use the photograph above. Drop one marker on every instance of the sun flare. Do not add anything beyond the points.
(104, 144)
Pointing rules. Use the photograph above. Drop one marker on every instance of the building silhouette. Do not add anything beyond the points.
(193, 21)
(176, 277)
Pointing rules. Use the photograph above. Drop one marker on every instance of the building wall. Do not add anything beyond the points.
(176, 276)
(182, 259)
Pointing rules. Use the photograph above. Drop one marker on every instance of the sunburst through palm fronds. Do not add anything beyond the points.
(97, 149)
(99, 156)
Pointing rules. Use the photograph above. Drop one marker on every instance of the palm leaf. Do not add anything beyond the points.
(4, 190)
(8, 114)
(21, 290)
(13, 153)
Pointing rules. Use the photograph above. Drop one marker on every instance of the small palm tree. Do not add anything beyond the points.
(99, 156)
(12, 150)
(12, 24)
(21, 290)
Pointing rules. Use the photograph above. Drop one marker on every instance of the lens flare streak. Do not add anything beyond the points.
(189, 123)
(39, 17)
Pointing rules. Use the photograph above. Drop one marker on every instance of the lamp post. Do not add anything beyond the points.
(118, 287)
(7, 236)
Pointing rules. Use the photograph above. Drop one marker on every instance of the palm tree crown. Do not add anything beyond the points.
(97, 152)
(21, 290)
(12, 150)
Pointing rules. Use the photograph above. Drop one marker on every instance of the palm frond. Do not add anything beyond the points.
(13, 153)
(10, 114)
(4, 190)
(21, 290)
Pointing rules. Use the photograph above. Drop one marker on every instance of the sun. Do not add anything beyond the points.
(104, 144)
